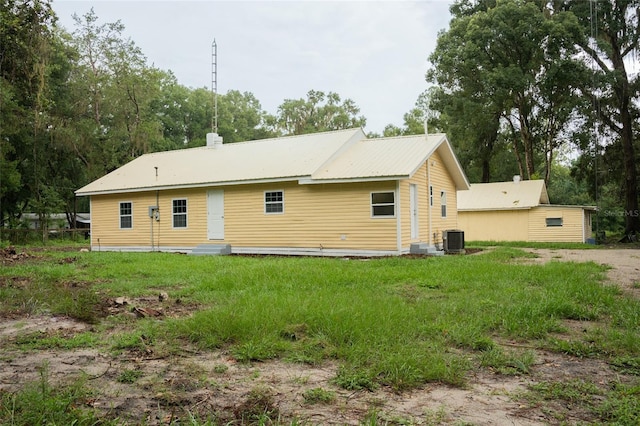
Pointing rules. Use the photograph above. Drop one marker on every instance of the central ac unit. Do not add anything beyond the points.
(453, 241)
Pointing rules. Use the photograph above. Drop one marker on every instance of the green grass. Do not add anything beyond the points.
(532, 244)
(319, 396)
(41, 403)
(619, 405)
(395, 322)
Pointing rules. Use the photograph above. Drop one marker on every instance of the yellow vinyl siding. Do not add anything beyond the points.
(331, 216)
(495, 225)
(105, 220)
(570, 231)
(524, 225)
(328, 216)
(442, 181)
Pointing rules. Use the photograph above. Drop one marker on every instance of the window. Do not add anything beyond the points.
(126, 215)
(383, 204)
(554, 221)
(431, 195)
(443, 204)
(274, 202)
(180, 213)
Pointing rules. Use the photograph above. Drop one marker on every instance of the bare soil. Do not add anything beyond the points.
(213, 384)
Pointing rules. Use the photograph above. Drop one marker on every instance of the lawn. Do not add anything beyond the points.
(397, 322)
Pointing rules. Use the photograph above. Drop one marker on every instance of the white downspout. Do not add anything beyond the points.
(398, 220)
(430, 199)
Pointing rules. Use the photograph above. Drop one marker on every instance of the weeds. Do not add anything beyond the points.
(40, 403)
(129, 376)
(319, 396)
(507, 362)
(618, 405)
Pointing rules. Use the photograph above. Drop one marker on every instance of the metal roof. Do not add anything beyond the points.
(503, 195)
(394, 157)
(345, 155)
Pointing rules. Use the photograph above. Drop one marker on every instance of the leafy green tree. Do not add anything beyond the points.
(610, 39)
(25, 54)
(120, 87)
(241, 117)
(320, 112)
(504, 67)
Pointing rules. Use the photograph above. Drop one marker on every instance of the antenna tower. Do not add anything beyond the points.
(214, 85)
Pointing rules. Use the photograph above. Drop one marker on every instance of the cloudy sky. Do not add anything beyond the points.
(373, 52)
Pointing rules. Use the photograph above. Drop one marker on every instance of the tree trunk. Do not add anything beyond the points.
(623, 94)
(632, 213)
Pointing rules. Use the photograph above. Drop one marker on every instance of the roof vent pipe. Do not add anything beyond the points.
(516, 179)
(214, 141)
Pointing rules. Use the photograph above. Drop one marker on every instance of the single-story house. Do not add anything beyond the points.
(520, 211)
(332, 193)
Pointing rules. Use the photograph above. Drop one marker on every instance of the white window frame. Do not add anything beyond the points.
(273, 203)
(431, 195)
(121, 216)
(374, 205)
(443, 204)
(174, 215)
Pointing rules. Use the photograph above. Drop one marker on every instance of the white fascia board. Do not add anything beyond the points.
(311, 181)
(188, 186)
(489, 209)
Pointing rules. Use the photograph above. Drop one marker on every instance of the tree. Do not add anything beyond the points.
(610, 39)
(420, 115)
(114, 121)
(320, 112)
(241, 117)
(25, 54)
(504, 67)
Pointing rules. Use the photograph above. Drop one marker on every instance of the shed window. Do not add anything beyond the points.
(383, 204)
(126, 215)
(554, 221)
(274, 202)
(443, 204)
(180, 213)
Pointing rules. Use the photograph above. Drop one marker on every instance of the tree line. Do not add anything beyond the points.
(523, 80)
(516, 84)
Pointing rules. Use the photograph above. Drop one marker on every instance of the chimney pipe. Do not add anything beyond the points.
(214, 141)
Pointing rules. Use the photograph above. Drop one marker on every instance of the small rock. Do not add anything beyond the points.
(121, 301)
(163, 296)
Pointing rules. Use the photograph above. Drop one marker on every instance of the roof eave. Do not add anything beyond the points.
(316, 181)
(488, 209)
(453, 165)
(80, 193)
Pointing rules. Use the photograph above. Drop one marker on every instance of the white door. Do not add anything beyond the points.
(413, 205)
(215, 214)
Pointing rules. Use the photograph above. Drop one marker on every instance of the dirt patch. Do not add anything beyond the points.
(142, 387)
(623, 264)
(10, 255)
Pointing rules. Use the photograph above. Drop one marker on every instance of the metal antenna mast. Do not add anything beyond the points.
(214, 85)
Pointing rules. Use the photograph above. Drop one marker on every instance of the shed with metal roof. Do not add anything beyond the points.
(520, 211)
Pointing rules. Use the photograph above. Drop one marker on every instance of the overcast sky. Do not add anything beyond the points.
(373, 52)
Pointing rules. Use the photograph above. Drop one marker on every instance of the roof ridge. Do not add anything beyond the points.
(408, 136)
(292, 136)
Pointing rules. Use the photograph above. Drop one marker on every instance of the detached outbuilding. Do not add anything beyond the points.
(333, 193)
(520, 211)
